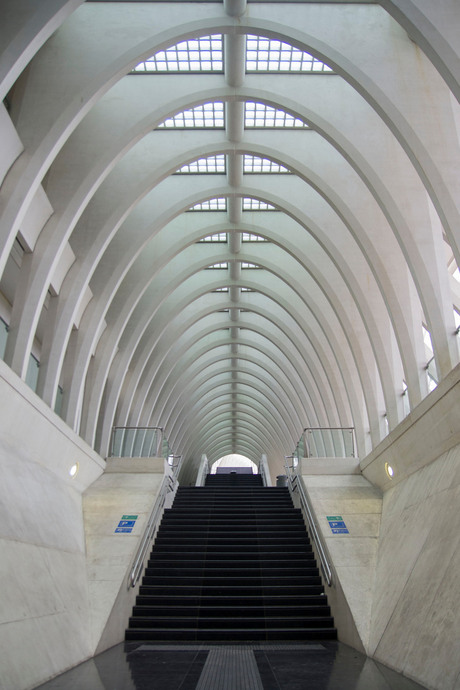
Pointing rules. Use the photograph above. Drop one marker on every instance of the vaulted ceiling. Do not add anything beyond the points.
(231, 246)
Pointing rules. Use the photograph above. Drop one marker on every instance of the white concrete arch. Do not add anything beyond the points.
(197, 426)
(215, 392)
(253, 367)
(214, 436)
(167, 309)
(193, 342)
(272, 364)
(388, 312)
(434, 32)
(187, 291)
(186, 342)
(255, 406)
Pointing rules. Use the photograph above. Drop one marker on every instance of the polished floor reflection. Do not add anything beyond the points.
(264, 666)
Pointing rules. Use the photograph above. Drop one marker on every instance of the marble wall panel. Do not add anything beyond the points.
(415, 624)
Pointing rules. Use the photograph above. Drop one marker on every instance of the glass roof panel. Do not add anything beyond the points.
(248, 264)
(249, 237)
(211, 164)
(255, 164)
(217, 204)
(206, 116)
(203, 54)
(268, 55)
(250, 204)
(217, 237)
(262, 115)
(220, 264)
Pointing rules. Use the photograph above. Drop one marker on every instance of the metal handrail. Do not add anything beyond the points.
(263, 473)
(296, 485)
(138, 429)
(322, 429)
(168, 484)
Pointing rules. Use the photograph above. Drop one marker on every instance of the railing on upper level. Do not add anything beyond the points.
(296, 486)
(326, 442)
(138, 442)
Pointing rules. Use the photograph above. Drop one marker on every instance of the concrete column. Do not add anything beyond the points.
(235, 8)
(235, 58)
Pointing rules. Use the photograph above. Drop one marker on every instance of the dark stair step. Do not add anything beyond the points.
(237, 590)
(205, 601)
(160, 610)
(212, 549)
(269, 622)
(231, 562)
(233, 635)
(287, 571)
(229, 582)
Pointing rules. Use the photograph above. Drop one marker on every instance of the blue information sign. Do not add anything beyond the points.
(127, 523)
(337, 525)
(126, 526)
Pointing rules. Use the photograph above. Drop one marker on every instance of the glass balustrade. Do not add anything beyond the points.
(139, 442)
(330, 442)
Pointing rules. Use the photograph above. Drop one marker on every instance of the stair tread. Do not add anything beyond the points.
(232, 560)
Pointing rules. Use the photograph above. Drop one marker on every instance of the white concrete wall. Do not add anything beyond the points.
(416, 613)
(44, 603)
(398, 568)
(129, 487)
(353, 555)
(63, 570)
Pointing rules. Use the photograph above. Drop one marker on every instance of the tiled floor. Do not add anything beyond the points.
(264, 666)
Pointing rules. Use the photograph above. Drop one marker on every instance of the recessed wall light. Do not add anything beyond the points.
(389, 470)
(73, 470)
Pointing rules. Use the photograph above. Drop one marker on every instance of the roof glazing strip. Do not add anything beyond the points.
(250, 204)
(217, 204)
(262, 115)
(217, 237)
(206, 116)
(211, 164)
(203, 54)
(255, 164)
(249, 237)
(269, 55)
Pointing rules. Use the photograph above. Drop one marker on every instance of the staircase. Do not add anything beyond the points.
(232, 561)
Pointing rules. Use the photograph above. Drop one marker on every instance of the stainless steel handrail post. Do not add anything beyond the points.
(296, 485)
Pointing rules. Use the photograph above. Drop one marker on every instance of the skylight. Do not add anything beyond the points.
(220, 264)
(211, 164)
(206, 116)
(202, 54)
(217, 204)
(249, 237)
(255, 164)
(248, 264)
(262, 115)
(250, 204)
(217, 237)
(268, 55)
